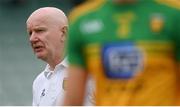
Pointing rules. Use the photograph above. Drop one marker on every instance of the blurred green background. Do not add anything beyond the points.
(18, 64)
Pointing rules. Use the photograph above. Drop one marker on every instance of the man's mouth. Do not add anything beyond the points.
(38, 48)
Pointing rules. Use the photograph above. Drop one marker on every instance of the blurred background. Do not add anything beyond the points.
(18, 64)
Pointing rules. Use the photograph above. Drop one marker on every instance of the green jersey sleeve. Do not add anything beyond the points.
(177, 36)
(75, 51)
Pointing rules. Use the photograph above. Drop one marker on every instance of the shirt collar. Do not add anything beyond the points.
(62, 65)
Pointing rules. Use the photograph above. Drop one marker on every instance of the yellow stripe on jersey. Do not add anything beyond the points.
(88, 6)
(156, 45)
(94, 63)
(170, 3)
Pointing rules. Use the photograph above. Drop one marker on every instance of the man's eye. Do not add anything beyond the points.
(30, 33)
(39, 30)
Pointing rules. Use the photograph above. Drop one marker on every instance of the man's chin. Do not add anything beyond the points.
(40, 56)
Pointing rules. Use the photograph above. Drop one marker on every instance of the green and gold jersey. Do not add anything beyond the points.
(132, 50)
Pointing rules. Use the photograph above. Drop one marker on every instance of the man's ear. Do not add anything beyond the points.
(64, 31)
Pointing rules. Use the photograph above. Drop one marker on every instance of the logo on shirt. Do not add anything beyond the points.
(156, 22)
(64, 85)
(92, 26)
(124, 21)
(122, 60)
(43, 93)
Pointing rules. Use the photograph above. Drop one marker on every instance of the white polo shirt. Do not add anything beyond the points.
(48, 87)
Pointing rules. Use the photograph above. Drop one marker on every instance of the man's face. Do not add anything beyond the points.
(44, 36)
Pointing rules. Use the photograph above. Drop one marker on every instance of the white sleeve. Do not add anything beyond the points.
(34, 101)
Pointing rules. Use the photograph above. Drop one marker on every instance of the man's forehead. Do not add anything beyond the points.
(38, 19)
(36, 22)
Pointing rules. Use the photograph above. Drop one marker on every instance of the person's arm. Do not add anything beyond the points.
(90, 92)
(34, 100)
(178, 86)
(177, 40)
(76, 84)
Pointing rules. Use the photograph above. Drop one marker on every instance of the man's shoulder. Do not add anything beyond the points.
(85, 9)
(39, 79)
(174, 4)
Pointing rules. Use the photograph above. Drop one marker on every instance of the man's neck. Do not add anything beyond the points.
(55, 62)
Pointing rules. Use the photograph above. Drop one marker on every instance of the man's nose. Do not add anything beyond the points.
(33, 37)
